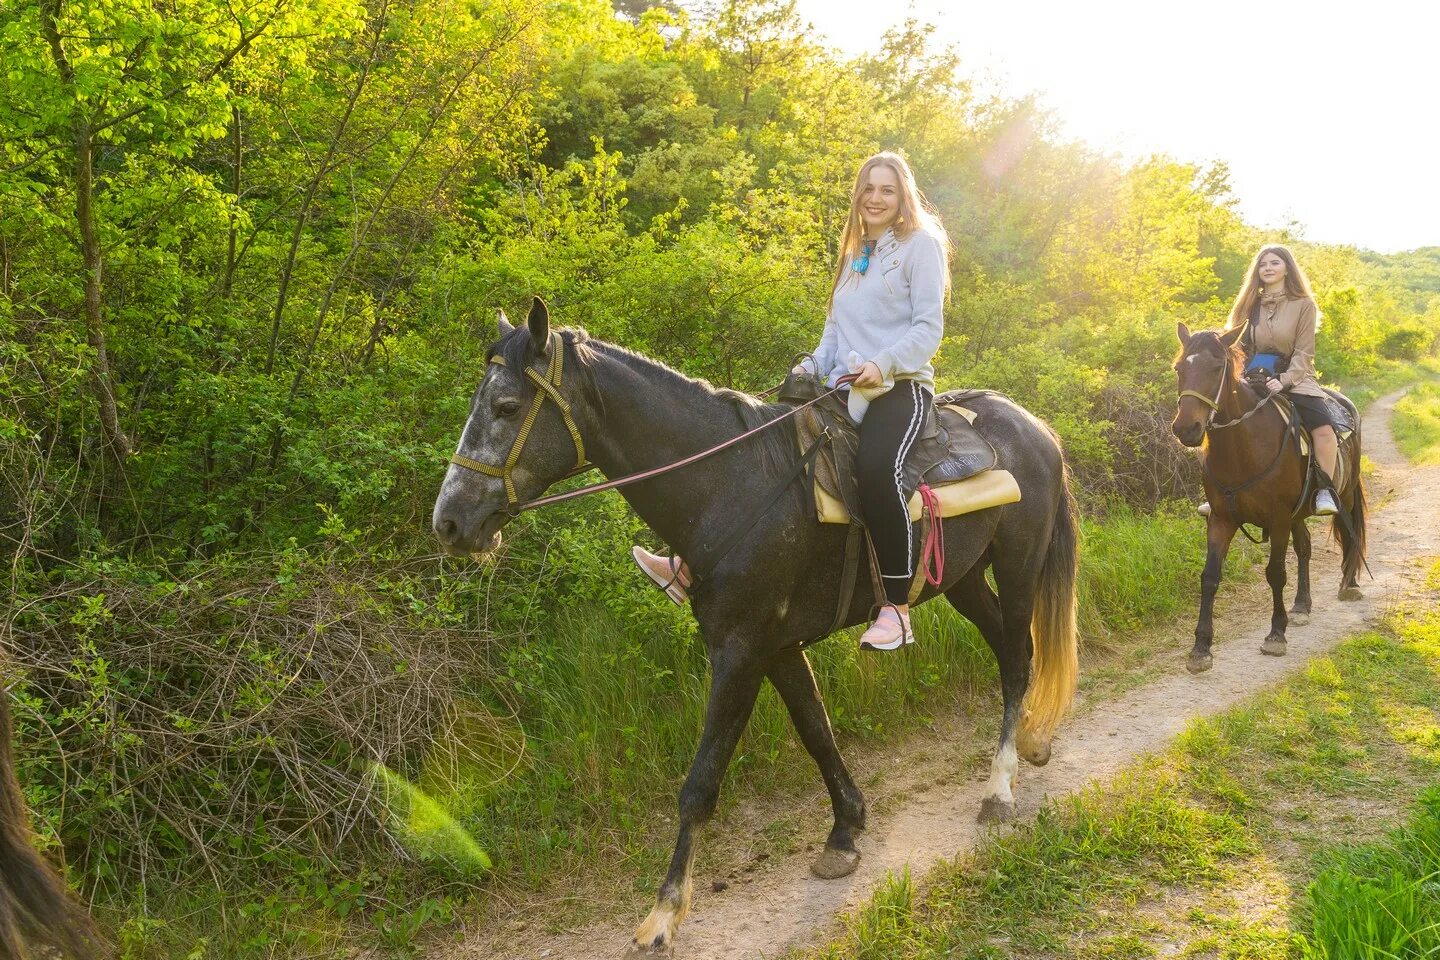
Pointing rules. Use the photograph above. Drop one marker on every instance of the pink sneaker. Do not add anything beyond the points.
(890, 631)
(669, 573)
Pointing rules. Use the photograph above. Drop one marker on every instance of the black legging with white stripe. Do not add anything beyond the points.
(890, 427)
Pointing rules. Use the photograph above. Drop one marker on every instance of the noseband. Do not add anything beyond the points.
(546, 385)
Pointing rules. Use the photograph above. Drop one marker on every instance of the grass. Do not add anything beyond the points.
(1416, 424)
(608, 708)
(1237, 842)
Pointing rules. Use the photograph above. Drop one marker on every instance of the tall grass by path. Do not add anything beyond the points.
(1416, 424)
(1240, 841)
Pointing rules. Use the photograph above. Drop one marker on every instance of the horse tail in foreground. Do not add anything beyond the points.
(35, 905)
(1352, 551)
(1055, 665)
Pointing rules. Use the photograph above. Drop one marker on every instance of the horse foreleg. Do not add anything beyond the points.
(790, 673)
(1274, 645)
(1219, 531)
(734, 683)
(1300, 610)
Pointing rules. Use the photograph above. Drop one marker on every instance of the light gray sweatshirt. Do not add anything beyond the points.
(891, 314)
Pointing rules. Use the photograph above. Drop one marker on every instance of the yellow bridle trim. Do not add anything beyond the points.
(545, 386)
(1201, 397)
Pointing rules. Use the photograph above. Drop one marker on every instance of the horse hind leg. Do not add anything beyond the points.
(735, 682)
(974, 599)
(791, 676)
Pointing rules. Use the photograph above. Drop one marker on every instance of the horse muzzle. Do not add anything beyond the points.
(462, 536)
(1190, 433)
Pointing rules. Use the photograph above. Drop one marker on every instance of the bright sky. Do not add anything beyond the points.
(1327, 113)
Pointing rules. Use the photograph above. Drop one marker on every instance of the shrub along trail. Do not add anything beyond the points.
(782, 905)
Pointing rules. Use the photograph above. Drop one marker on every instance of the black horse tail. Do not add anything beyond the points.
(36, 906)
(1055, 663)
(1352, 548)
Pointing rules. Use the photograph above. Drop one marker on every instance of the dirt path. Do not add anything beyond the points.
(784, 905)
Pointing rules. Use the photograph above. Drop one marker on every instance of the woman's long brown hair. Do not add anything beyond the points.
(915, 213)
(1297, 285)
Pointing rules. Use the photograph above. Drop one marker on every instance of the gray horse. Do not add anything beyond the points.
(777, 587)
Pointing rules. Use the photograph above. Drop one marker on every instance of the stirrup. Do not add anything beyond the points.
(886, 633)
(1325, 505)
(1203, 509)
(667, 573)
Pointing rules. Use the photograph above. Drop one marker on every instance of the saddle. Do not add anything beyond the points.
(949, 456)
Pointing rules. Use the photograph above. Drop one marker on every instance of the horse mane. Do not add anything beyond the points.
(1208, 341)
(776, 447)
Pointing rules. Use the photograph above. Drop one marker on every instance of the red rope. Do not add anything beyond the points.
(932, 554)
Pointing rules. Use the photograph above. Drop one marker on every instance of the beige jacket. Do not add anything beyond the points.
(1286, 326)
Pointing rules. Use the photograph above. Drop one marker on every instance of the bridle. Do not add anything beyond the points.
(546, 385)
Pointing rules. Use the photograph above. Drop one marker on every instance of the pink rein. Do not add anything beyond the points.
(932, 553)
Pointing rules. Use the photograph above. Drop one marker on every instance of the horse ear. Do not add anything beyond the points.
(539, 323)
(1183, 332)
(1230, 336)
(503, 322)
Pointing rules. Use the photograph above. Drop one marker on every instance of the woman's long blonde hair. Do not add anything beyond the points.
(915, 214)
(1297, 285)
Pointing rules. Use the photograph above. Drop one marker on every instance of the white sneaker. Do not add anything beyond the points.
(890, 631)
(1325, 505)
(1203, 509)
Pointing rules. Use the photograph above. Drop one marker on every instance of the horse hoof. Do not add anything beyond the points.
(658, 948)
(1351, 593)
(1199, 662)
(656, 936)
(996, 811)
(1298, 619)
(833, 864)
(1035, 754)
(1273, 647)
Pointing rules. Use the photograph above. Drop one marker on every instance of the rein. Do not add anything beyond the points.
(547, 386)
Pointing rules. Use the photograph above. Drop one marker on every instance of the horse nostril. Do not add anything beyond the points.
(446, 530)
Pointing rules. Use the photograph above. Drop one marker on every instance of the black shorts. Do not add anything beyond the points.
(1315, 412)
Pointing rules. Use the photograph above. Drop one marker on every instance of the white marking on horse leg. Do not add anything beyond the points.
(783, 608)
(658, 931)
(1003, 770)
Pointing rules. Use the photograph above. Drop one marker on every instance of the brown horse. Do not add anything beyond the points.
(35, 905)
(1256, 473)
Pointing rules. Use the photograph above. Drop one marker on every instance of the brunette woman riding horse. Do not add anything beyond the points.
(1255, 472)
(550, 400)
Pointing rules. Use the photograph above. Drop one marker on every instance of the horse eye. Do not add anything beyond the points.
(507, 408)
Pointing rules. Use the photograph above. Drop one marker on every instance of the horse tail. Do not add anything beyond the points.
(1352, 549)
(1055, 663)
(35, 904)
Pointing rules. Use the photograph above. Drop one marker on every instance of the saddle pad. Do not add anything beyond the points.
(992, 488)
(1343, 465)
